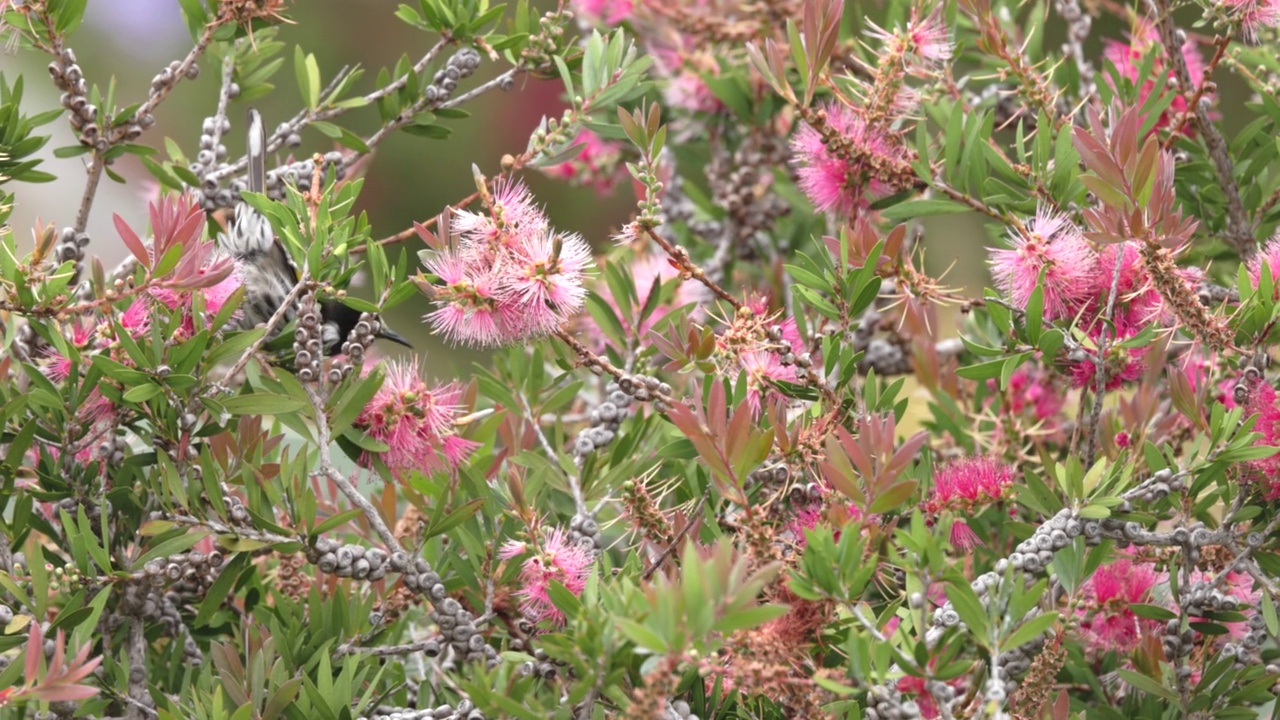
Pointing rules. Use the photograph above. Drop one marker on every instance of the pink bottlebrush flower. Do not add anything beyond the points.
(59, 367)
(1253, 15)
(1054, 245)
(136, 319)
(608, 12)
(762, 368)
(683, 63)
(512, 278)
(1270, 255)
(836, 183)
(924, 44)
(514, 213)
(1123, 364)
(547, 272)
(415, 421)
(1032, 391)
(1107, 622)
(1128, 59)
(971, 481)
(596, 165)
(558, 559)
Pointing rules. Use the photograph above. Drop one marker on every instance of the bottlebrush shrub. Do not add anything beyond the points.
(749, 459)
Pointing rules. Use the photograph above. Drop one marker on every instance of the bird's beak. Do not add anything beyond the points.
(395, 337)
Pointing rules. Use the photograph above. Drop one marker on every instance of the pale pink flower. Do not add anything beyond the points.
(925, 43)
(836, 183)
(559, 559)
(59, 367)
(1108, 623)
(511, 278)
(1253, 15)
(1054, 245)
(763, 368)
(547, 271)
(415, 421)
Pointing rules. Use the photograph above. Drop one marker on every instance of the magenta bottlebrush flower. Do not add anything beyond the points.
(1054, 245)
(59, 367)
(511, 278)
(965, 487)
(1107, 623)
(835, 183)
(415, 421)
(558, 559)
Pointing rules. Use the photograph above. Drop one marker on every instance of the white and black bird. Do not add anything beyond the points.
(267, 271)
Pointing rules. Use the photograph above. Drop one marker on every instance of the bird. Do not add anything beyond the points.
(266, 270)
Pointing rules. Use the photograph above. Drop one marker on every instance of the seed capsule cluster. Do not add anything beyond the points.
(29, 346)
(679, 710)
(465, 710)
(605, 421)
(354, 561)
(885, 702)
(308, 347)
(458, 630)
(360, 339)
(741, 183)
(542, 665)
(68, 78)
(70, 248)
(461, 64)
(585, 531)
(1014, 664)
(645, 388)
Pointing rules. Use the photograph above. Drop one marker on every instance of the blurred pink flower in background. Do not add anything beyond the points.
(597, 165)
(1108, 623)
(1128, 59)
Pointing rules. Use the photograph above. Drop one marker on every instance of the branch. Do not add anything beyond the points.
(1239, 228)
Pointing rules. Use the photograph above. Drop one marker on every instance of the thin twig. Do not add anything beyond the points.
(695, 518)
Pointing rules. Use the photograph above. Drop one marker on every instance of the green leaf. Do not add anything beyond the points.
(923, 208)
(749, 618)
(174, 545)
(1152, 612)
(646, 640)
(1030, 630)
(1147, 685)
(261, 403)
